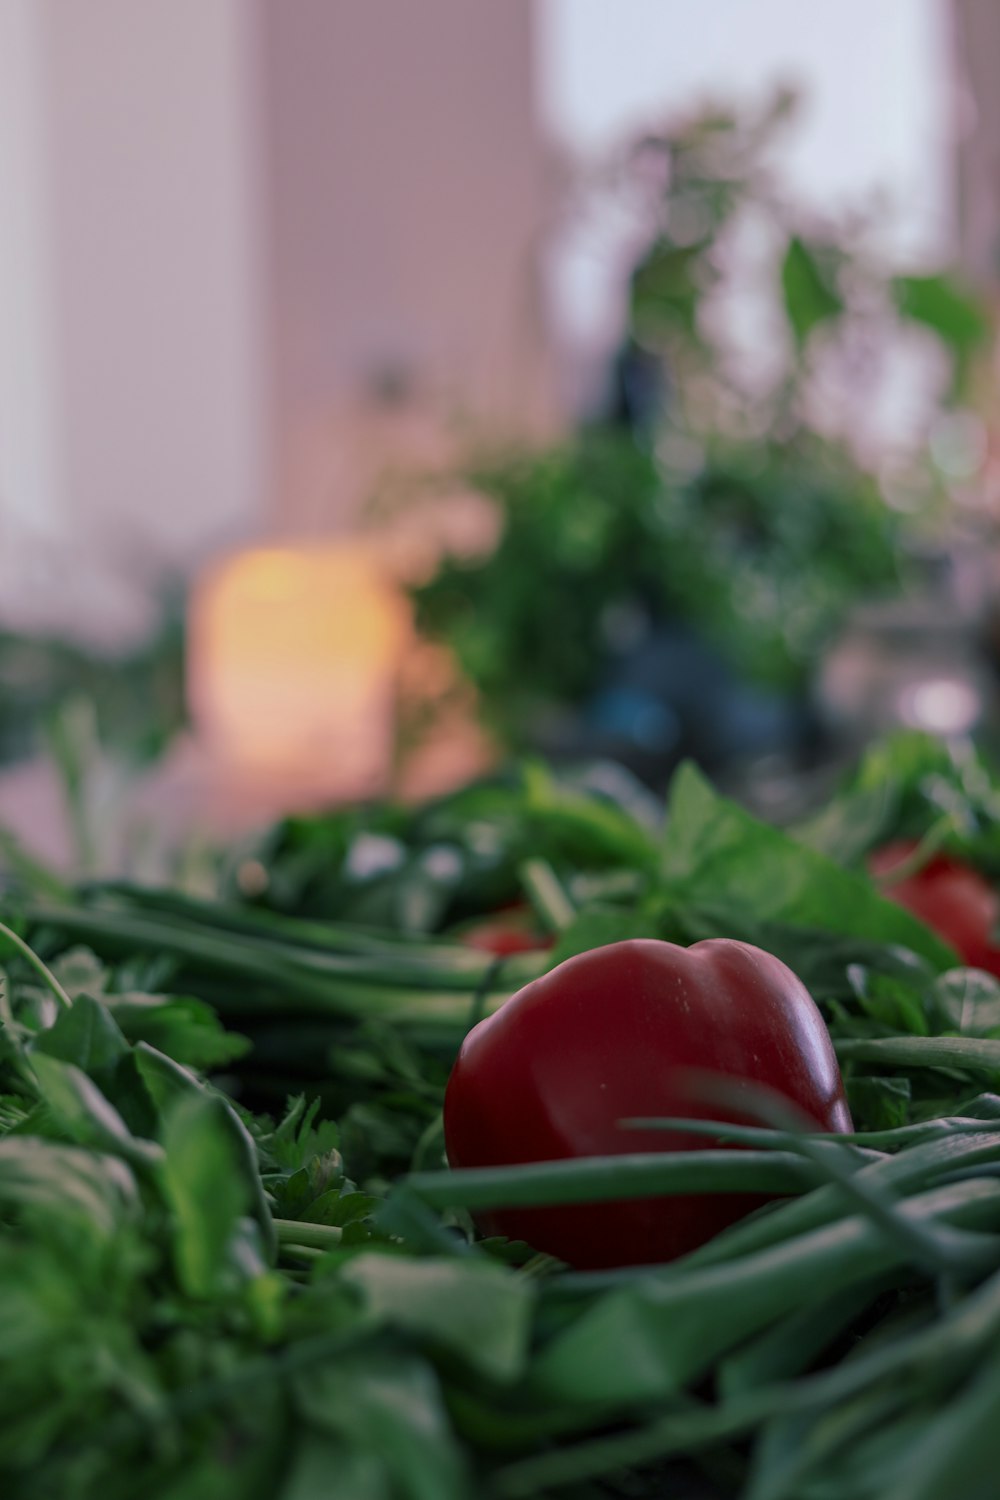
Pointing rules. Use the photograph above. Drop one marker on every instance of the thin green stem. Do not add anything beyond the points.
(310, 1236)
(971, 1053)
(308, 1253)
(606, 1178)
(840, 1163)
(748, 1135)
(301, 933)
(547, 895)
(41, 970)
(303, 979)
(261, 957)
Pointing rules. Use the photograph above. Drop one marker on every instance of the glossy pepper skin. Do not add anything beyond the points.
(615, 1033)
(953, 899)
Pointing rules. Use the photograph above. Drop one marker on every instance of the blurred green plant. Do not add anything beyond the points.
(137, 698)
(835, 302)
(731, 501)
(763, 558)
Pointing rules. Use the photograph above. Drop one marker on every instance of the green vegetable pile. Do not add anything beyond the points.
(234, 1264)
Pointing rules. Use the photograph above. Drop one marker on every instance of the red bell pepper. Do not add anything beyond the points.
(625, 1031)
(949, 895)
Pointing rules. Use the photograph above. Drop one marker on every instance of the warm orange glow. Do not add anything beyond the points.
(293, 660)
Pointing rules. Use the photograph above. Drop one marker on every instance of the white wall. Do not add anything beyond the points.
(30, 478)
(876, 78)
(131, 333)
(151, 135)
(408, 193)
(219, 220)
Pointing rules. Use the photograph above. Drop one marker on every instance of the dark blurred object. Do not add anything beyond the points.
(677, 696)
(639, 391)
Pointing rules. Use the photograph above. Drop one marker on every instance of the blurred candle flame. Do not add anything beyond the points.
(293, 659)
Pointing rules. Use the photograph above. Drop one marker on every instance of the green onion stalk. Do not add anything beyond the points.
(286, 967)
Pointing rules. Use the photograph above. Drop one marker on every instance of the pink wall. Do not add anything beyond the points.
(156, 287)
(245, 211)
(407, 191)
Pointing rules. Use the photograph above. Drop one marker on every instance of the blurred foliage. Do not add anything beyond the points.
(951, 312)
(463, 854)
(706, 184)
(763, 558)
(137, 697)
(727, 498)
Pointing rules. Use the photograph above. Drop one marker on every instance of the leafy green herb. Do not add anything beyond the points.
(200, 1298)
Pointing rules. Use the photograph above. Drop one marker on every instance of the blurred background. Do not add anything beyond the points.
(386, 390)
